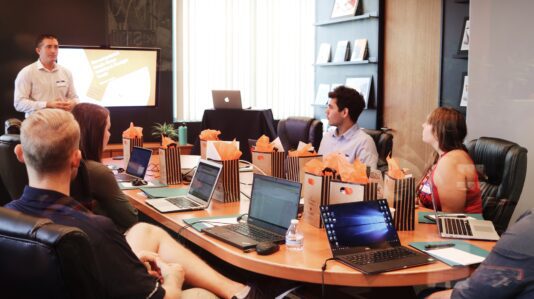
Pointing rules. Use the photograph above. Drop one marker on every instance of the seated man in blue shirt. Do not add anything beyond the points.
(508, 271)
(344, 108)
(146, 262)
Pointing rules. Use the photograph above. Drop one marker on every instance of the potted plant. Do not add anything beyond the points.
(164, 129)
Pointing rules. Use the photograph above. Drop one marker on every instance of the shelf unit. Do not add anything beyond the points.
(453, 64)
(367, 24)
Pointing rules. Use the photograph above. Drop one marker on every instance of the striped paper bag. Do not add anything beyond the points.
(345, 192)
(227, 189)
(400, 194)
(295, 167)
(127, 147)
(271, 163)
(169, 165)
(315, 191)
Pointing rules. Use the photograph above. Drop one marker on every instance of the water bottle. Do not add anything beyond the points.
(294, 237)
(182, 134)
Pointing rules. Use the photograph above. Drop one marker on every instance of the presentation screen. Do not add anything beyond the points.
(113, 77)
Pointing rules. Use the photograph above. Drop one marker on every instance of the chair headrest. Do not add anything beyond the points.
(12, 126)
(10, 138)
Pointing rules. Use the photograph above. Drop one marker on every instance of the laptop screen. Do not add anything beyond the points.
(360, 225)
(204, 180)
(274, 200)
(139, 159)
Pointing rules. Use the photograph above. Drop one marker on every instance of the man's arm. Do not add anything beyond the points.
(22, 100)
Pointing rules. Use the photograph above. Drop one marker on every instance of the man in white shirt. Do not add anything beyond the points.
(344, 108)
(44, 83)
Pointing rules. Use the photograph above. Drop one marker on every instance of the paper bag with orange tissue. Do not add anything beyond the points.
(227, 189)
(399, 190)
(205, 136)
(133, 136)
(269, 157)
(169, 162)
(352, 184)
(297, 159)
(315, 190)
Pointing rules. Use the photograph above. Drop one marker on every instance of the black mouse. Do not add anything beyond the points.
(266, 248)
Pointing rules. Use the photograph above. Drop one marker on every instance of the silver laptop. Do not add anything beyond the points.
(226, 99)
(455, 227)
(199, 194)
(137, 165)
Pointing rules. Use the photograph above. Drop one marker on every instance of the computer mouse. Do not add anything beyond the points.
(266, 248)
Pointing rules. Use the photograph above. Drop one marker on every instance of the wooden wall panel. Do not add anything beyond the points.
(411, 75)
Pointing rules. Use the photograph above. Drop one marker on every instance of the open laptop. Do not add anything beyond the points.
(273, 203)
(362, 235)
(226, 99)
(451, 226)
(199, 194)
(137, 165)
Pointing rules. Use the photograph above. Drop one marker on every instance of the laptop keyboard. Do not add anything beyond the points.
(457, 226)
(182, 202)
(378, 256)
(254, 232)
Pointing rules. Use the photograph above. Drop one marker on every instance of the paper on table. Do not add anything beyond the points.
(457, 255)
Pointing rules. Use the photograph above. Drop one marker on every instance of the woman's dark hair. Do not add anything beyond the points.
(448, 125)
(92, 120)
(347, 97)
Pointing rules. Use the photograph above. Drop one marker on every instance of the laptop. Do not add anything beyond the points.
(273, 203)
(362, 235)
(198, 196)
(455, 227)
(137, 165)
(226, 99)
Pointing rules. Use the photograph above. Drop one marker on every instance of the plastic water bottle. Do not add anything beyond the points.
(294, 237)
(182, 134)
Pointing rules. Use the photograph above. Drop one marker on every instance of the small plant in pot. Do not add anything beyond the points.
(164, 129)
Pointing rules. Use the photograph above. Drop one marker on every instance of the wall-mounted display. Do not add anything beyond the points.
(362, 85)
(344, 8)
(463, 94)
(464, 42)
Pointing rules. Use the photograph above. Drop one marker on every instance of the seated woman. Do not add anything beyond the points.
(452, 178)
(94, 124)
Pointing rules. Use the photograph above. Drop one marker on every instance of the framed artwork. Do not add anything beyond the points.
(362, 85)
(463, 93)
(344, 8)
(463, 48)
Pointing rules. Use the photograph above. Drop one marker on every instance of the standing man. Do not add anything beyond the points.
(44, 83)
(343, 111)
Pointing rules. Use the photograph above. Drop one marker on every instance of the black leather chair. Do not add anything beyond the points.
(12, 173)
(384, 146)
(41, 259)
(296, 128)
(501, 177)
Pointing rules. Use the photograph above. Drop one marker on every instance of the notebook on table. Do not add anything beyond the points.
(362, 236)
(226, 99)
(200, 191)
(137, 165)
(464, 228)
(273, 203)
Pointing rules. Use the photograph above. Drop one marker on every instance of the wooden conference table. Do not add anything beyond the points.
(306, 265)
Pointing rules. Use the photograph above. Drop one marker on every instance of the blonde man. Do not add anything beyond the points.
(49, 148)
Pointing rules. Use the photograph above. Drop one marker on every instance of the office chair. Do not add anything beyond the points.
(41, 259)
(12, 173)
(295, 129)
(384, 146)
(504, 166)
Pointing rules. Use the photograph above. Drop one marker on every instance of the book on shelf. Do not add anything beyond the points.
(322, 94)
(334, 85)
(342, 51)
(323, 56)
(359, 51)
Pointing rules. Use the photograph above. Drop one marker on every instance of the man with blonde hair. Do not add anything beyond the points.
(49, 148)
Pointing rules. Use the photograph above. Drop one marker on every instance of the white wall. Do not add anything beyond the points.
(501, 78)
